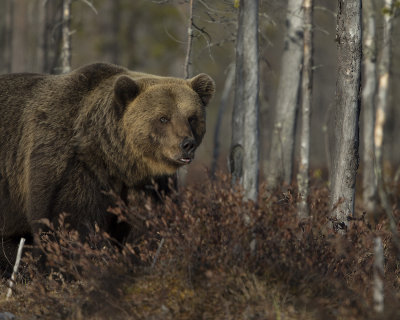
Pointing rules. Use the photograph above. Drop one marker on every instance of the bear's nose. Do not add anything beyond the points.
(188, 145)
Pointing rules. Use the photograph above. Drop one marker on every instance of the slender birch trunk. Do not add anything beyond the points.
(8, 43)
(345, 164)
(66, 37)
(221, 111)
(382, 101)
(19, 37)
(182, 172)
(307, 79)
(188, 59)
(52, 36)
(378, 290)
(41, 22)
(245, 145)
(280, 164)
(368, 103)
(382, 105)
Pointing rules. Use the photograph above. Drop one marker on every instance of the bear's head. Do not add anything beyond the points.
(163, 119)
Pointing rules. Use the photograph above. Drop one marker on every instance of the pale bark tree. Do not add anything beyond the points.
(382, 105)
(19, 58)
(66, 33)
(345, 156)
(378, 290)
(41, 26)
(66, 37)
(382, 101)
(226, 93)
(244, 154)
(307, 79)
(52, 35)
(182, 172)
(190, 34)
(280, 163)
(368, 106)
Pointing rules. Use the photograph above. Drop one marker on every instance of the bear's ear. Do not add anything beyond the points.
(125, 90)
(204, 86)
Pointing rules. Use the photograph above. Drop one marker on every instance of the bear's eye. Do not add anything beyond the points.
(164, 120)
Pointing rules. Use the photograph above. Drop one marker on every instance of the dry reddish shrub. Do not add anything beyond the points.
(207, 253)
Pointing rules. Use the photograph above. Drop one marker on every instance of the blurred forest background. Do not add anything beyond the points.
(151, 36)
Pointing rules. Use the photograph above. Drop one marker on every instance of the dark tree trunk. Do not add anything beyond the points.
(345, 161)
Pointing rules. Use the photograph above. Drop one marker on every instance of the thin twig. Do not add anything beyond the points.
(16, 266)
(90, 5)
(211, 9)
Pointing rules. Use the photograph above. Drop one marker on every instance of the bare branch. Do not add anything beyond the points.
(211, 9)
(88, 3)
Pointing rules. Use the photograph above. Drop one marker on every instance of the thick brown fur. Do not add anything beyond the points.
(65, 139)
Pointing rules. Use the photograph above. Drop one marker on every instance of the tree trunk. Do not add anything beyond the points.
(66, 38)
(19, 58)
(307, 83)
(182, 172)
(345, 164)
(190, 34)
(52, 36)
(6, 28)
(245, 145)
(379, 272)
(280, 165)
(10, 34)
(368, 111)
(382, 105)
(383, 98)
(40, 46)
(221, 111)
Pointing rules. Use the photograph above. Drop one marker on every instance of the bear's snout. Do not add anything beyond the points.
(188, 145)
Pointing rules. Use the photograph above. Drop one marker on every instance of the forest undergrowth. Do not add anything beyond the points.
(208, 254)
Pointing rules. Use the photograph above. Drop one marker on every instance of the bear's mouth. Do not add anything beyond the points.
(185, 160)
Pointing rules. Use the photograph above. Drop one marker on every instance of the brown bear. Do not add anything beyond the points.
(65, 139)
